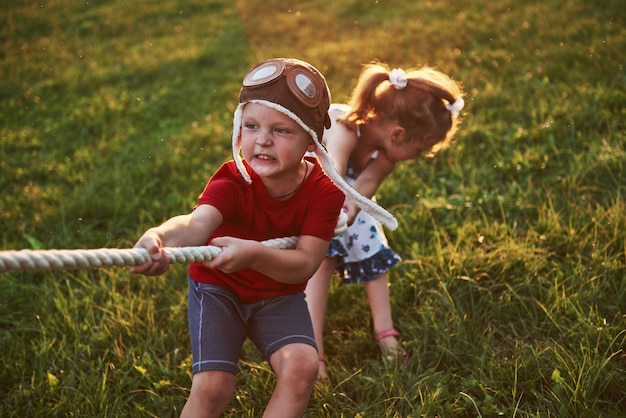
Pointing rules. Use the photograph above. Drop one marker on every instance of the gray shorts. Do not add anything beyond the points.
(219, 324)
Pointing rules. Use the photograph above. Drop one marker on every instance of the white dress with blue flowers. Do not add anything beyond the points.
(362, 250)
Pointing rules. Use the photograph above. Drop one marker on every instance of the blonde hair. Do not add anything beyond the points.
(421, 107)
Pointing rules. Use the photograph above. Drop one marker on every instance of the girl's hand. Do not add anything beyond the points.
(159, 260)
(236, 254)
(351, 209)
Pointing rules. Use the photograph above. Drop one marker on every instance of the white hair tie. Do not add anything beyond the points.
(397, 78)
(456, 107)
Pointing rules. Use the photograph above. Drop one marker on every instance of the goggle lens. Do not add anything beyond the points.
(301, 85)
(264, 73)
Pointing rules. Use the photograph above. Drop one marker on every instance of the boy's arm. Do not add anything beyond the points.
(193, 229)
(286, 266)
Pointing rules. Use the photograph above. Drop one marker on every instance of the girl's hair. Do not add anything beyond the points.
(420, 107)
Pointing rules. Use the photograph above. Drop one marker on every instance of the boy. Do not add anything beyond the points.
(249, 290)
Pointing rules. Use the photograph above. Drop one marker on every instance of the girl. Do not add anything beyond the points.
(392, 116)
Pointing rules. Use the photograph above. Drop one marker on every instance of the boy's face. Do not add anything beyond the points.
(272, 143)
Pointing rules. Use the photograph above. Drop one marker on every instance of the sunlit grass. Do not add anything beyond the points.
(511, 296)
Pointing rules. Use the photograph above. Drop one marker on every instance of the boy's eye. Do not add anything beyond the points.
(249, 125)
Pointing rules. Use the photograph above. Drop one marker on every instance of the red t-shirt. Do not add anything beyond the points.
(250, 212)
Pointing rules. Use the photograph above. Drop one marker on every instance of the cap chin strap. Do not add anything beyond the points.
(237, 144)
(323, 157)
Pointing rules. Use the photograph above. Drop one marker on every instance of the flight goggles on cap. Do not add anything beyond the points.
(293, 85)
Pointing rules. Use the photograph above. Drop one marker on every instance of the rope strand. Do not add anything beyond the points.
(29, 260)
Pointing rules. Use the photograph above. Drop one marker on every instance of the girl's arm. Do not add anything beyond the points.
(340, 142)
(180, 231)
(286, 266)
(368, 182)
(373, 175)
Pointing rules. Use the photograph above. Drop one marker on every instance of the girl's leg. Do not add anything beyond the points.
(380, 304)
(317, 299)
(296, 370)
(211, 392)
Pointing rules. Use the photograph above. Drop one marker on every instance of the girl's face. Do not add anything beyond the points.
(272, 143)
(404, 151)
(401, 148)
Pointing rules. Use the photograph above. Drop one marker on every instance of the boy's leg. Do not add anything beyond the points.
(296, 370)
(317, 300)
(281, 328)
(217, 332)
(211, 392)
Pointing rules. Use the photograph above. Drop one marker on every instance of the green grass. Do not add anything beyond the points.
(511, 297)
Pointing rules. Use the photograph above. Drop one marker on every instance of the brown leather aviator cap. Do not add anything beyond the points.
(295, 85)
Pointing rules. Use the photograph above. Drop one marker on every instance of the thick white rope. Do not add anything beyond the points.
(29, 260)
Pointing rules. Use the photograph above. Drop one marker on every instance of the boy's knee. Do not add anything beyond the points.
(297, 364)
(307, 367)
(213, 388)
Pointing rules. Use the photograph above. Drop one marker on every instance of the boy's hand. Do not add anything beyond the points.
(236, 254)
(159, 260)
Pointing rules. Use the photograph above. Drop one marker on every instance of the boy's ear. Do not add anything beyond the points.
(312, 145)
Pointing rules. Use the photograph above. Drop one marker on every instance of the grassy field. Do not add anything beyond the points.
(511, 298)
